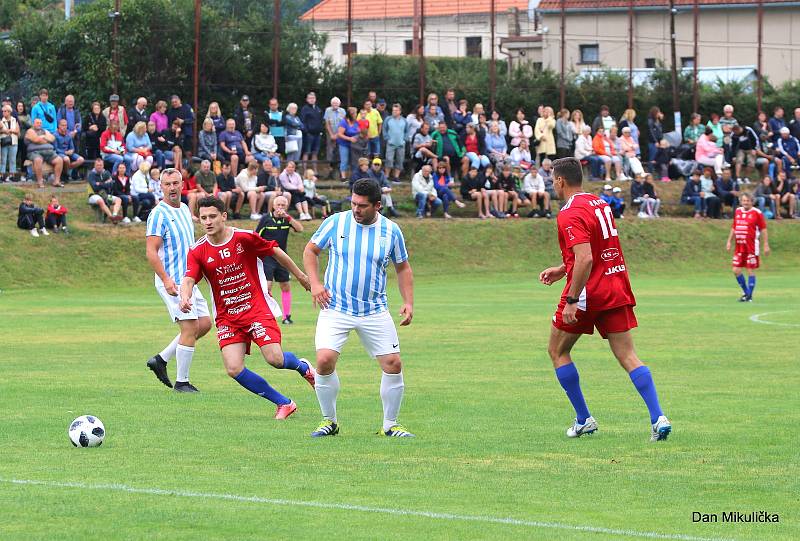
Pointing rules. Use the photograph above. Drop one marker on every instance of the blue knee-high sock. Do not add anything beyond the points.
(291, 362)
(643, 381)
(742, 284)
(751, 285)
(258, 385)
(571, 383)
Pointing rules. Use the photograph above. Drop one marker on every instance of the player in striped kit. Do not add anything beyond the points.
(361, 244)
(170, 235)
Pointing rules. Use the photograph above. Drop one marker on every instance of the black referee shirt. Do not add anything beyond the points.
(274, 229)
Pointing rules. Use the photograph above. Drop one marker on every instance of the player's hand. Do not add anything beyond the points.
(407, 313)
(321, 296)
(186, 305)
(304, 281)
(766, 249)
(551, 275)
(170, 287)
(728, 246)
(569, 314)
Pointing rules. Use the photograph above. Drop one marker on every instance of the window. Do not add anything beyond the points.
(409, 46)
(474, 46)
(650, 63)
(349, 48)
(537, 66)
(687, 61)
(590, 54)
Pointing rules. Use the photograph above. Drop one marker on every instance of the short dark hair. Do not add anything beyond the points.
(211, 201)
(570, 170)
(368, 188)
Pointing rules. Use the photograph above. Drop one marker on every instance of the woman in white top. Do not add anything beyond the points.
(521, 156)
(140, 188)
(9, 132)
(519, 128)
(265, 147)
(247, 180)
(585, 151)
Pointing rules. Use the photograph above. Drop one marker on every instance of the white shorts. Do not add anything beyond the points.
(199, 305)
(377, 332)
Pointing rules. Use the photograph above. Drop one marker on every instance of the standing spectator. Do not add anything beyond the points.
(727, 189)
(292, 183)
(766, 194)
(311, 117)
(215, 114)
(347, 134)
(578, 123)
(495, 144)
(627, 121)
(602, 120)
(40, 149)
(141, 192)
(233, 147)
(183, 114)
(359, 149)
(776, 123)
(655, 131)
(449, 149)
(662, 159)
(707, 192)
(9, 142)
(787, 149)
(461, 117)
(475, 147)
(603, 149)
(121, 188)
(56, 216)
(693, 131)
(444, 184)
(414, 121)
(543, 132)
(24, 121)
(247, 182)
(450, 106)
(565, 136)
(332, 118)
(95, 124)
(708, 153)
(394, 132)
(501, 124)
(29, 216)
(584, 150)
(728, 122)
(65, 148)
(139, 148)
(643, 195)
(112, 146)
(207, 141)
(423, 190)
(244, 117)
(160, 117)
(264, 146)
(70, 113)
(761, 126)
(294, 133)
(229, 192)
(716, 129)
(519, 128)
(376, 173)
(423, 146)
(276, 124)
(630, 150)
(374, 129)
(45, 111)
(138, 113)
(116, 114)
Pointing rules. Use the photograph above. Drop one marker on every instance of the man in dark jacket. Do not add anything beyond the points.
(138, 113)
(693, 195)
(311, 117)
(185, 115)
(245, 118)
(30, 217)
(727, 188)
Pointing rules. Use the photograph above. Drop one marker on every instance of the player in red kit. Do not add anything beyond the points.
(230, 260)
(749, 226)
(597, 295)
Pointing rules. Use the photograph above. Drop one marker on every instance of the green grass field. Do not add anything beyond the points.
(490, 461)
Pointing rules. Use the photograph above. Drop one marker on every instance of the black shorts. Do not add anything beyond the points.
(274, 272)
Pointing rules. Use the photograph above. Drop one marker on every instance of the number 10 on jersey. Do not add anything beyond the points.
(606, 222)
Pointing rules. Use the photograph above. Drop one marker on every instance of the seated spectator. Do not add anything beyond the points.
(29, 216)
(693, 195)
(546, 172)
(584, 150)
(444, 184)
(508, 181)
(65, 148)
(693, 131)
(727, 188)
(9, 135)
(247, 182)
(461, 117)
(475, 147)
(56, 216)
(101, 188)
(215, 114)
(139, 148)
(154, 184)
(716, 129)
(766, 194)
(784, 186)
(230, 194)
(434, 116)
(362, 171)
(477, 111)
(122, 189)
(292, 183)
(394, 134)
(544, 133)
(140, 191)
(604, 150)
(787, 149)
(40, 149)
(177, 136)
(708, 153)
(315, 200)
(630, 150)
(495, 144)
(376, 173)
(268, 177)
(181, 116)
(189, 186)
(744, 142)
(519, 128)
(643, 194)
(449, 149)
(662, 160)
(264, 146)
(207, 141)
(112, 146)
(422, 145)
(533, 187)
(496, 195)
(206, 184)
(713, 204)
(521, 156)
(159, 116)
(501, 124)
(423, 190)
(233, 147)
(472, 189)
(613, 196)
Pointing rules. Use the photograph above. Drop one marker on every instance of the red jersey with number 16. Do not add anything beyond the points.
(234, 272)
(587, 218)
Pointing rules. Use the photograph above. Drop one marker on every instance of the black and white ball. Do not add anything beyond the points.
(87, 431)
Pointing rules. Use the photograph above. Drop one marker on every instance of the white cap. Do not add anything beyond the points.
(607, 187)
(617, 189)
(784, 130)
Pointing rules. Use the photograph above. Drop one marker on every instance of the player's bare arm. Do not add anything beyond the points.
(152, 247)
(320, 295)
(580, 275)
(730, 238)
(405, 282)
(552, 275)
(187, 285)
(286, 262)
(766, 241)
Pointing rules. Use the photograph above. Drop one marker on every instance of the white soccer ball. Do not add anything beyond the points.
(87, 431)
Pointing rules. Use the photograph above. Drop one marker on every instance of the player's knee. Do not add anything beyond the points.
(391, 364)
(233, 371)
(203, 326)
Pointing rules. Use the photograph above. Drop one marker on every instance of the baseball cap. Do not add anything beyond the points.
(7, 98)
(381, 101)
(617, 189)
(607, 187)
(113, 97)
(376, 161)
(245, 98)
(784, 130)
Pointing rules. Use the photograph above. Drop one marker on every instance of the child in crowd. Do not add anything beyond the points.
(56, 216)
(613, 196)
(314, 199)
(31, 217)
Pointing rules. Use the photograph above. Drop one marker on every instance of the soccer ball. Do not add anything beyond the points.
(87, 431)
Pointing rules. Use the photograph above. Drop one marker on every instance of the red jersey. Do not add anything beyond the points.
(235, 273)
(587, 218)
(747, 227)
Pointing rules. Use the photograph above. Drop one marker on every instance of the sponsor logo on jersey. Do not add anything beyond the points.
(239, 249)
(569, 233)
(231, 279)
(615, 269)
(238, 298)
(210, 259)
(225, 335)
(258, 331)
(239, 309)
(609, 254)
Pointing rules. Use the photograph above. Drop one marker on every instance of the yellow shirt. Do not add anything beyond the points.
(375, 121)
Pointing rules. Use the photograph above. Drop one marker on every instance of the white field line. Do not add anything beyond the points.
(756, 318)
(360, 508)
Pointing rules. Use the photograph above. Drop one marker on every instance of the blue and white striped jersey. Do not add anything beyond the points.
(357, 260)
(175, 227)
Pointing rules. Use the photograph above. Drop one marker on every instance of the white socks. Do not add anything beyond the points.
(184, 356)
(327, 388)
(392, 387)
(169, 351)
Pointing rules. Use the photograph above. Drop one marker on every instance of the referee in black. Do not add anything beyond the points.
(276, 226)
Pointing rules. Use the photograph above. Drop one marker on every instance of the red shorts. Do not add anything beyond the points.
(262, 331)
(619, 319)
(745, 260)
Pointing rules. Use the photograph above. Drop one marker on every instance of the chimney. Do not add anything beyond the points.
(513, 22)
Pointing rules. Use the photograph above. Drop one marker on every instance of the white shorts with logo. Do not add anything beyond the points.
(199, 305)
(377, 332)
